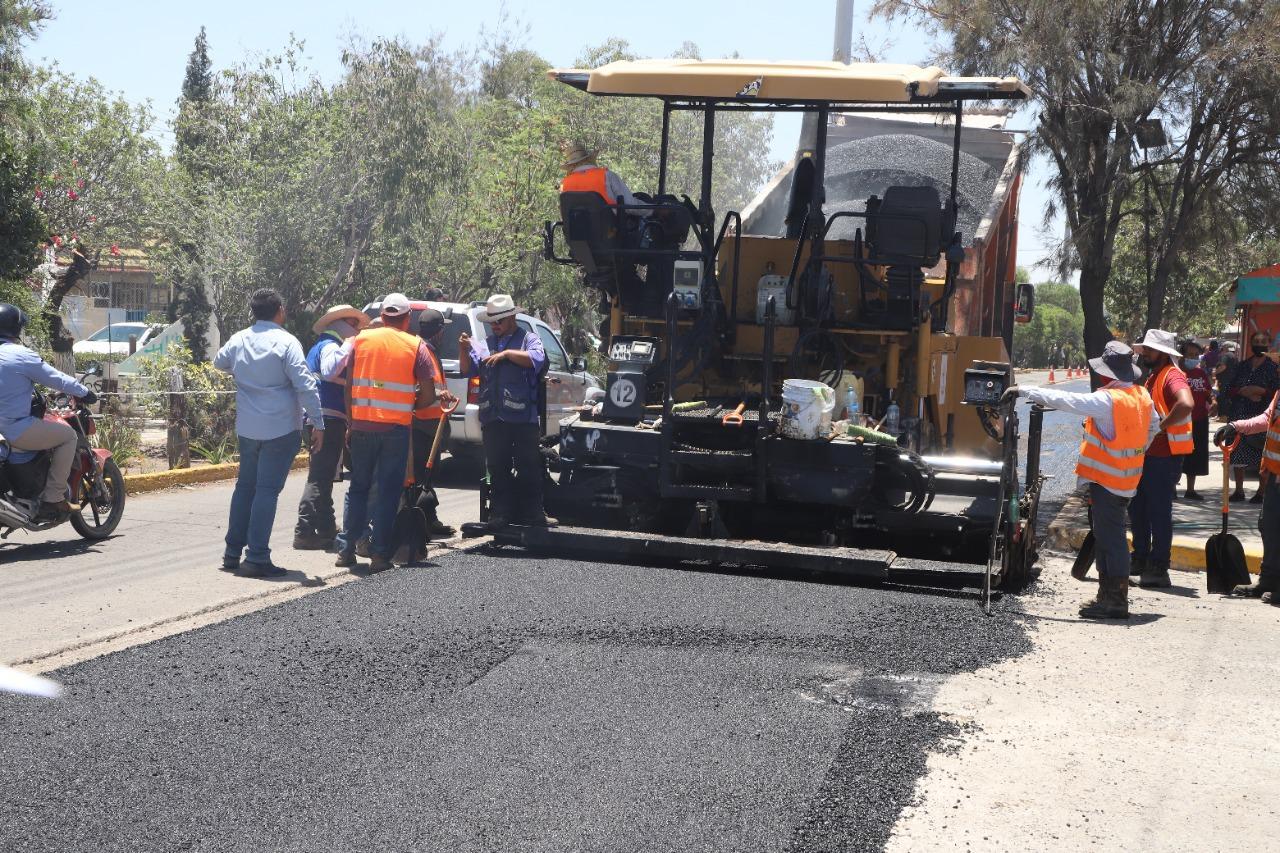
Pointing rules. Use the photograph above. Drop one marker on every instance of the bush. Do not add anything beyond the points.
(119, 434)
(210, 401)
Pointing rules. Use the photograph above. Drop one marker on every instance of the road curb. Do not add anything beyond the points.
(136, 484)
(1069, 528)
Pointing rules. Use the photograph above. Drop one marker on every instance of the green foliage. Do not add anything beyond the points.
(22, 228)
(1056, 325)
(120, 434)
(209, 394)
(216, 452)
(20, 20)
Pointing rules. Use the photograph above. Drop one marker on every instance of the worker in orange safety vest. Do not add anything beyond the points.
(1121, 421)
(583, 175)
(1151, 510)
(388, 366)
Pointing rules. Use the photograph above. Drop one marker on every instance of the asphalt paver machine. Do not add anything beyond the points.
(690, 455)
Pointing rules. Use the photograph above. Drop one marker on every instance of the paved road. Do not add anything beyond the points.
(57, 590)
(504, 703)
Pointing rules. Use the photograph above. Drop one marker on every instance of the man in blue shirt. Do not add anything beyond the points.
(273, 387)
(510, 363)
(21, 369)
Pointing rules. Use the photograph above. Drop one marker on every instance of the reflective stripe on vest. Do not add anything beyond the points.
(435, 411)
(382, 380)
(591, 180)
(1181, 441)
(1116, 464)
(1271, 450)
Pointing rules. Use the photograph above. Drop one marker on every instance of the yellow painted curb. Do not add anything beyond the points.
(1067, 532)
(136, 484)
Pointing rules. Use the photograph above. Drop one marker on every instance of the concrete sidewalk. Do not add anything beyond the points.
(1193, 522)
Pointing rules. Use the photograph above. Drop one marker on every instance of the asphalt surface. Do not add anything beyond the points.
(500, 702)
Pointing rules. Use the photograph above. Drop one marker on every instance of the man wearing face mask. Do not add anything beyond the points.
(1197, 463)
(1249, 389)
(1151, 510)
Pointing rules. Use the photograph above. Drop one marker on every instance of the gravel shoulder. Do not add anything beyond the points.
(1158, 735)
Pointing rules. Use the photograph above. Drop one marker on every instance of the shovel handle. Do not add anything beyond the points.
(435, 442)
(734, 418)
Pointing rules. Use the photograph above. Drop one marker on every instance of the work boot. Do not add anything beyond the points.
(1112, 601)
(1265, 584)
(379, 563)
(310, 542)
(230, 564)
(346, 559)
(362, 548)
(52, 510)
(260, 570)
(1155, 576)
(437, 529)
(1137, 565)
(496, 521)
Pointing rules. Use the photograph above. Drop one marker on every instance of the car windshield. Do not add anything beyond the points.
(119, 332)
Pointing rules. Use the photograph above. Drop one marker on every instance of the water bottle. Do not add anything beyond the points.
(891, 419)
(852, 408)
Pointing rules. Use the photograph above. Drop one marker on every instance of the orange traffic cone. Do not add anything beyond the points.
(1051, 379)
(1071, 373)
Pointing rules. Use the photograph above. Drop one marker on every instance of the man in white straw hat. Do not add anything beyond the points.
(1121, 422)
(511, 364)
(583, 175)
(317, 525)
(1151, 510)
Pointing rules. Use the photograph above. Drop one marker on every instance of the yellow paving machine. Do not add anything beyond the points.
(815, 382)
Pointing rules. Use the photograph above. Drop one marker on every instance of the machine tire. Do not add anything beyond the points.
(95, 526)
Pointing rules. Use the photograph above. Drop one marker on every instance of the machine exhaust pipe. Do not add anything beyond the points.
(12, 516)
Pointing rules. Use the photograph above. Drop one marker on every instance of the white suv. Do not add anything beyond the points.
(568, 382)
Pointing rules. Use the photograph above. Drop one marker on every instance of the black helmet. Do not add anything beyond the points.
(12, 320)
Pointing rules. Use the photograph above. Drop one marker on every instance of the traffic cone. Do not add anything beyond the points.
(1051, 379)
(1071, 373)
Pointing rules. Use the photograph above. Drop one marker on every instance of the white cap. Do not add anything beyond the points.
(395, 304)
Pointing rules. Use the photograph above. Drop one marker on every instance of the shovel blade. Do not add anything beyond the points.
(1225, 565)
(1084, 559)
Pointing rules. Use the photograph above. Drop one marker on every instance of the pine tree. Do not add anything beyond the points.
(191, 303)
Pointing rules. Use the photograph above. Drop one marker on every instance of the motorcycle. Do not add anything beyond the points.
(95, 483)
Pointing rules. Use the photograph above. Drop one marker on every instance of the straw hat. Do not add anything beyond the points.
(1160, 341)
(350, 313)
(576, 154)
(498, 307)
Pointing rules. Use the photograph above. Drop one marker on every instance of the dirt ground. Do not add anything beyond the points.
(1159, 734)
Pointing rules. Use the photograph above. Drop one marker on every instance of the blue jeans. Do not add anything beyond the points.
(264, 466)
(1151, 510)
(378, 461)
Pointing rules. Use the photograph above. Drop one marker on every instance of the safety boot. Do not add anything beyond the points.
(1137, 565)
(1112, 601)
(1155, 576)
(1266, 583)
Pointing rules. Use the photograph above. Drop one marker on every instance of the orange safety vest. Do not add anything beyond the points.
(1116, 463)
(1271, 450)
(1181, 442)
(591, 180)
(383, 388)
(435, 411)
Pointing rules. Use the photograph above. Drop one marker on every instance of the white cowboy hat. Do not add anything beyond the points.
(1160, 341)
(350, 313)
(577, 154)
(498, 307)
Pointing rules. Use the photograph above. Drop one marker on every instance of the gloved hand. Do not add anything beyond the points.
(1225, 435)
(89, 398)
(1010, 395)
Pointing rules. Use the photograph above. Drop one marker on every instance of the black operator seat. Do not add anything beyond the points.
(909, 227)
(591, 231)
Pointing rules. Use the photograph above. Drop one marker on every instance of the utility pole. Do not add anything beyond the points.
(841, 51)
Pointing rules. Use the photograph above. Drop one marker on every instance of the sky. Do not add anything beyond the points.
(140, 47)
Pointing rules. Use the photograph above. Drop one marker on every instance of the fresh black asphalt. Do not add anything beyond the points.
(502, 702)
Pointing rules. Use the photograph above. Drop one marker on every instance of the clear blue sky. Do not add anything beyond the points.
(140, 47)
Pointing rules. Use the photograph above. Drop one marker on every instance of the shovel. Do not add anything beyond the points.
(410, 531)
(1084, 559)
(1225, 566)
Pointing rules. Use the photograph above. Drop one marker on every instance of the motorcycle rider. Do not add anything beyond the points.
(21, 369)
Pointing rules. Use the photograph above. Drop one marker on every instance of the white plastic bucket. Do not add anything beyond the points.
(806, 409)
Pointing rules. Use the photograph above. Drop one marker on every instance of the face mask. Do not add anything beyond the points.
(1191, 362)
(1259, 350)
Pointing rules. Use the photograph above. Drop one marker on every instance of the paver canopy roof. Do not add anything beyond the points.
(808, 81)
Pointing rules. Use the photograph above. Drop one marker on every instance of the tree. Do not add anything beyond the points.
(20, 20)
(1057, 323)
(1099, 69)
